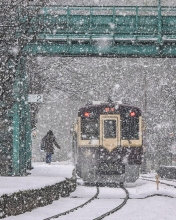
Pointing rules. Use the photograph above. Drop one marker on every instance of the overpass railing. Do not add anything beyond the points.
(111, 23)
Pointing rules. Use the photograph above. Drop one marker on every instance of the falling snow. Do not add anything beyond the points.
(68, 82)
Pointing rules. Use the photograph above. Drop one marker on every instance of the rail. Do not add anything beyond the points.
(95, 196)
(72, 210)
(117, 208)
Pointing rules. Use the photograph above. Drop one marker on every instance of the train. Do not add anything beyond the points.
(107, 142)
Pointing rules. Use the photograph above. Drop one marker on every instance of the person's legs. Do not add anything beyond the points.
(48, 157)
(47, 161)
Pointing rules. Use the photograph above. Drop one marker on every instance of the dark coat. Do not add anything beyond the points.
(49, 140)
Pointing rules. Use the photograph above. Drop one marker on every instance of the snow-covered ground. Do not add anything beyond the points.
(41, 176)
(140, 206)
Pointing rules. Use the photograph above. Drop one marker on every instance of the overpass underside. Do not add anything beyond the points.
(71, 31)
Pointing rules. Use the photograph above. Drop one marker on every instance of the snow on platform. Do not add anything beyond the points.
(138, 207)
(42, 175)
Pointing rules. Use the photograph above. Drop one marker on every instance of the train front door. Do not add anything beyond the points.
(109, 131)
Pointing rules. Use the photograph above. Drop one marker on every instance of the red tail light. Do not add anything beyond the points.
(86, 114)
(107, 109)
(132, 114)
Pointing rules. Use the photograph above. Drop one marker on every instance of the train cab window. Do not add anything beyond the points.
(109, 128)
(89, 129)
(130, 128)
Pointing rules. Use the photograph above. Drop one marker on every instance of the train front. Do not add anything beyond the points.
(107, 143)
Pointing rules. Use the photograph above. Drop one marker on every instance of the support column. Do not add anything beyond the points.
(22, 150)
(28, 141)
(21, 158)
(16, 123)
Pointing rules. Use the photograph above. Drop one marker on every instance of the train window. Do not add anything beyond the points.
(89, 129)
(109, 128)
(130, 128)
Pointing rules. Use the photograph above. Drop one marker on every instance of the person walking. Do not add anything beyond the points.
(47, 145)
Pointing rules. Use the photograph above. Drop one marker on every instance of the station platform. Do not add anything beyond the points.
(44, 184)
(42, 175)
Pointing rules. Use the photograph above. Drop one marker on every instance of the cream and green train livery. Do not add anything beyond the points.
(107, 142)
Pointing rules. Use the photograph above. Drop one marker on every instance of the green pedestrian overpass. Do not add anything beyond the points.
(103, 31)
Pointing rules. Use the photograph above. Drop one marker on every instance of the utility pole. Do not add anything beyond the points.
(144, 164)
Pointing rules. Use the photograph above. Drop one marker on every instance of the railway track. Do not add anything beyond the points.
(73, 209)
(90, 200)
(116, 208)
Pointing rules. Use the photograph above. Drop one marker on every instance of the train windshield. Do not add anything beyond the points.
(129, 123)
(130, 128)
(89, 129)
(109, 128)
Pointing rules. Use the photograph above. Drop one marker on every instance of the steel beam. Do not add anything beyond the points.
(127, 49)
